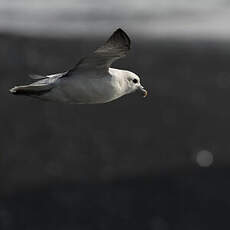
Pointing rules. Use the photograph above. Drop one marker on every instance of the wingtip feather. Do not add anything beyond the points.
(120, 33)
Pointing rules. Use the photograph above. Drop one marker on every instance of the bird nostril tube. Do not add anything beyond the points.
(143, 92)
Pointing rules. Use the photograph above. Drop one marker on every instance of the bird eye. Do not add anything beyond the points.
(135, 81)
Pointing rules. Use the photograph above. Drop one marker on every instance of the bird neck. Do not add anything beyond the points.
(120, 80)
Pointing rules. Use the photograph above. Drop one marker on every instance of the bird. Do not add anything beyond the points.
(92, 80)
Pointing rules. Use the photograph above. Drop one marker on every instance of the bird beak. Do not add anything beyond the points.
(141, 90)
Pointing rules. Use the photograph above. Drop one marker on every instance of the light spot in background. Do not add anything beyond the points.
(204, 158)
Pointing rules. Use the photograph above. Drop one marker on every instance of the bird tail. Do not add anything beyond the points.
(31, 89)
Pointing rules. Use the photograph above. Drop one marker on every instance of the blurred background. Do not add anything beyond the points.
(158, 163)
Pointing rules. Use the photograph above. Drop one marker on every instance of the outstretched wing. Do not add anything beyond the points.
(116, 47)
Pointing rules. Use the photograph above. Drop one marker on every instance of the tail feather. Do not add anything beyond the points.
(45, 84)
(30, 90)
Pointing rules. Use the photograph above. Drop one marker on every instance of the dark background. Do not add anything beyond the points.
(158, 163)
(130, 164)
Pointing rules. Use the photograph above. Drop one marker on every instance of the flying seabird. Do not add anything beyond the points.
(92, 80)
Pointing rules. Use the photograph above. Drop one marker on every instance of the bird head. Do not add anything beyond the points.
(134, 84)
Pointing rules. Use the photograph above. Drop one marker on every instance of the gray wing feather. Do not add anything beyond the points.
(116, 47)
(40, 77)
(37, 77)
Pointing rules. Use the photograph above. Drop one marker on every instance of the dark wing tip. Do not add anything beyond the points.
(120, 36)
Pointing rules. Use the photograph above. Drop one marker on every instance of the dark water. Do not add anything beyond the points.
(130, 164)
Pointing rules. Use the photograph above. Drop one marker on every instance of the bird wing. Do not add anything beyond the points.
(40, 77)
(116, 47)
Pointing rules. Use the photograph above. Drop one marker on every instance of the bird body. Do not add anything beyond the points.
(83, 90)
(91, 81)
